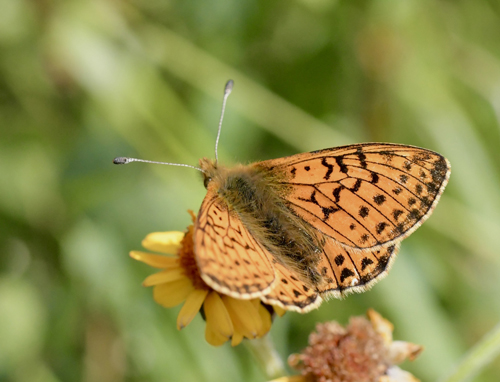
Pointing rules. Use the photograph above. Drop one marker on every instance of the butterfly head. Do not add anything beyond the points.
(209, 170)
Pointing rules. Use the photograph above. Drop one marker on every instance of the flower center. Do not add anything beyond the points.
(188, 261)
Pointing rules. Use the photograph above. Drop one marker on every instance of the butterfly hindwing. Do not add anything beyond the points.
(365, 195)
(230, 260)
(291, 293)
(345, 270)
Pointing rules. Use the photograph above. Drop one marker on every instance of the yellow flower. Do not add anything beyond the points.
(179, 282)
(362, 352)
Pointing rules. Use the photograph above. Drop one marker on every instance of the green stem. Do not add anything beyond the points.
(477, 357)
(266, 355)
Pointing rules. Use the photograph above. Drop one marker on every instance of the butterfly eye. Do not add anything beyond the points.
(206, 181)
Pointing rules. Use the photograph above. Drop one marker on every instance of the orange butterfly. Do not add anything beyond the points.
(326, 223)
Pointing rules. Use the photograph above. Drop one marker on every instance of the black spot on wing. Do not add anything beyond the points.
(364, 211)
(414, 214)
(366, 262)
(382, 263)
(397, 214)
(425, 202)
(431, 188)
(339, 260)
(327, 211)
(346, 273)
(340, 163)
(380, 227)
(329, 166)
(379, 199)
(356, 186)
(400, 228)
(336, 194)
(364, 238)
(361, 157)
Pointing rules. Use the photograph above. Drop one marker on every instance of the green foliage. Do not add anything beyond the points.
(83, 81)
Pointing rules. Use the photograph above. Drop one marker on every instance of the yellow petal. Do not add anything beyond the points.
(236, 339)
(255, 302)
(217, 316)
(165, 276)
(279, 311)
(157, 261)
(265, 317)
(164, 242)
(244, 315)
(293, 378)
(191, 307)
(173, 293)
(214, 338)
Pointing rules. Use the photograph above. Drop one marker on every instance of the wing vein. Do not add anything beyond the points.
(302, 208)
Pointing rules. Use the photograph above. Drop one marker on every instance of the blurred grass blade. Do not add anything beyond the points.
(477, 358)
(259, 105)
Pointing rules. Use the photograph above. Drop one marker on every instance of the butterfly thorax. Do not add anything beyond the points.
(257, 196)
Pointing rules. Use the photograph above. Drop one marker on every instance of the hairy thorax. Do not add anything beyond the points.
(256, 194)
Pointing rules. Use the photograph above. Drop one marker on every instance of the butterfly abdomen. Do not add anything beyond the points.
(255, 195)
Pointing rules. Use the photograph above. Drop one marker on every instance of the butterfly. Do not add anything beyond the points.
(293, 231)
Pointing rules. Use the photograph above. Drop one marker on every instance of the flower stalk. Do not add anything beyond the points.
(265, 353)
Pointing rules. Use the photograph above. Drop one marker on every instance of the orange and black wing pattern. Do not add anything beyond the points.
(365, 195)
(291, 293)
(230, 260)
(345, 270)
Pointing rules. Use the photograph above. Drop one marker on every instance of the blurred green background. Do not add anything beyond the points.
(84, 81)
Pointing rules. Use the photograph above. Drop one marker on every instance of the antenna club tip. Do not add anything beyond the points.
(120, 160)
(229, 87)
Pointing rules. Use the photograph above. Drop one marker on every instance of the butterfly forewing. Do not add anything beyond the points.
(366, 195)
(230, 260)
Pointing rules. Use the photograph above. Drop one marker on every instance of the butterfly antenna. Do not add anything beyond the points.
(227, 91)
(125, 160)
